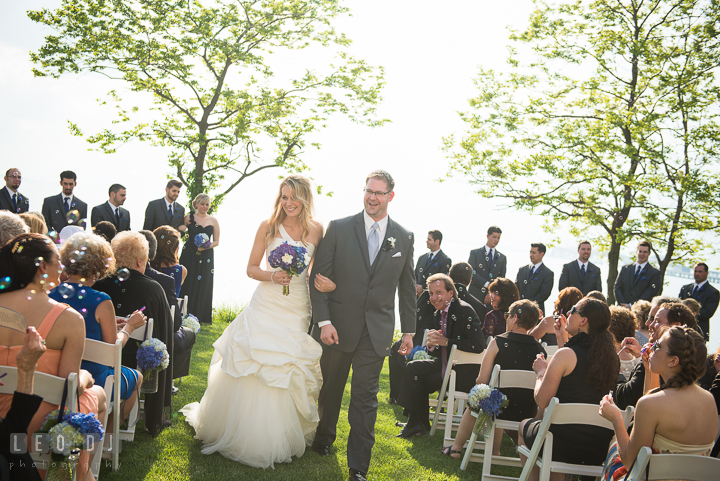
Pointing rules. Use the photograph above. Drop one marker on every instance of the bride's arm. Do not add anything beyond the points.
(256, 257)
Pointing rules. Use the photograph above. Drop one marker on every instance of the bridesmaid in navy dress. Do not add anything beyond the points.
(199, 261)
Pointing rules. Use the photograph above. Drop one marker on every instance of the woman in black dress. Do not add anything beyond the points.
(514, 349)
(200, 261)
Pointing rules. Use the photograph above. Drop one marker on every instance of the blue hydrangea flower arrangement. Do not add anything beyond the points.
(191, 322)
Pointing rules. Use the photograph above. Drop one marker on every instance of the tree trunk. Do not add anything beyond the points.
(613, 259)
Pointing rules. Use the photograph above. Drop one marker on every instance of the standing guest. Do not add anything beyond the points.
(166, 258)
(112, 211)
(581, 273)
(456, 323)
(200, 261)
(583, 370)
(535, 281)
(545, 330)
(105, 229)
(11, 226)
(488, 264)
(97, 308)
(166, 211)
(130, 289)
(703, 292)
(10, 198)
(503, 292)
(58, 209)
(433, 262)
(35, 222)
(639, 280)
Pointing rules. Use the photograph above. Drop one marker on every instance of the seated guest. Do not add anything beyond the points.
(105, 229)
(622, 326)
(33, 265)
(641, 311)
(11, 225)
(677, 417)
(514, 349)
(503, 292)
(130, 289)
(35, 222)
(545, 330)
(456, 323)
(97, 307)
(693, 305)
(461, 274)
(715, 391)
(24, 406)
(183, 338)
(597, 295)
(583, 370)
(166, 258)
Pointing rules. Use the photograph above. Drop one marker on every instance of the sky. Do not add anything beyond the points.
(430, 51)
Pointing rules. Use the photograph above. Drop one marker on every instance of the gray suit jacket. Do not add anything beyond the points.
(538, 287)
(53, 210)
(104, 212)
(365, 294)
(630, 289)
(23, 203)
(156, 215)
(570, 277)
(484, 272)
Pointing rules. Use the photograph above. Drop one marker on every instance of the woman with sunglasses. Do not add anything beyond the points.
(583, 370)
(678, 417)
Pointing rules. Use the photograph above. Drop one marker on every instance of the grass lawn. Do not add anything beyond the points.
(175, 453)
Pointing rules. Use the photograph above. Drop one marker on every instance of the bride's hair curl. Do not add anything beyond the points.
(301, 191)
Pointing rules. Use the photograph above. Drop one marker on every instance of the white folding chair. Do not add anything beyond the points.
(50, 388)
(501, 380)
(557, 413)
(549, 350)
(141, 334)
(108, 355)
(456, 399)
(185, 306)
(673, 466)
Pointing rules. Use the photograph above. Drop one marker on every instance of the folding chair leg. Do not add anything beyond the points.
(469, 451)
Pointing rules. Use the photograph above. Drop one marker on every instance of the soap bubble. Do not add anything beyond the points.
(66, 290)
(38, 260)
(4, 283)
(72, 217)
(123, 274)
(199, 277)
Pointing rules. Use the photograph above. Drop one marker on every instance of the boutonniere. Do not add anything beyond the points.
(389, 244)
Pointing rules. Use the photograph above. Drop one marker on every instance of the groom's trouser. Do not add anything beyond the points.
(362, 412)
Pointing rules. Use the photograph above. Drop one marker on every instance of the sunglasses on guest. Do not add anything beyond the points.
(573, 310)
(656, 346)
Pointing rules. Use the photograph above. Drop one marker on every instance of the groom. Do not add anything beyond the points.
(369, 257)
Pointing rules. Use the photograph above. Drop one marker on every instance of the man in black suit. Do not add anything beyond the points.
(535, 281)
(166, 211)
(488, 264)
(56, 208)
(581, 274)
(10, 198)
(638, 280)
(112, 210)
(433, 262)
(705, 294)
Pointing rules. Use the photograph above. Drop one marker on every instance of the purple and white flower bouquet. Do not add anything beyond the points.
(202, 240)
(291, 259)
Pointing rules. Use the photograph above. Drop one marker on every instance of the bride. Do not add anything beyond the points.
(264, 378)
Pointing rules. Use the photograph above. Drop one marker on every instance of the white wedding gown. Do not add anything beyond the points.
(260, 406)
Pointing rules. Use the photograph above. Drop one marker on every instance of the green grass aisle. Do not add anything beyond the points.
(175, 454)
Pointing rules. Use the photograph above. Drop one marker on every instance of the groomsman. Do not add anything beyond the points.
(112, 210)
(55, 208)
(581, 273)
(535, 281)
(639, 280)
(705, 294)
(434, 262)
(10, 198)
(166, 211)
(488, 264)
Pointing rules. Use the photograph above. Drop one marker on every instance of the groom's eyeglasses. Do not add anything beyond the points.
(370, 193)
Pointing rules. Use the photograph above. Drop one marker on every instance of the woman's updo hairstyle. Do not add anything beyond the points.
(689, 346)
(20, 259)
(604, 363)
(527, 312)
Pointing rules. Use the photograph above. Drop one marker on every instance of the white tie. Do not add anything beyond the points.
(373, 242)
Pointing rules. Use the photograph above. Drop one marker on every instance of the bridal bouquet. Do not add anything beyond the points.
(67, 435)
(191, 322)
(488, 403)
(202, 240)
(291, 259)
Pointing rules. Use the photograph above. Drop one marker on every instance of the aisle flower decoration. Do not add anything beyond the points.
(488, 403)
(291, 259)
(152, 357)
(191, 322)
(202, 240)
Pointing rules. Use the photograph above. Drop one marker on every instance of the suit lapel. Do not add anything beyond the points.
(382, 255)
(109, 212)
(362, 240)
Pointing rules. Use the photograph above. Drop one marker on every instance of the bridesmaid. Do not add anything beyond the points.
(199, 261)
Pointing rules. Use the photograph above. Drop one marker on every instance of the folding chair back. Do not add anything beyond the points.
(674, 466)
(549, 350)
(185, 306)
(144, 332)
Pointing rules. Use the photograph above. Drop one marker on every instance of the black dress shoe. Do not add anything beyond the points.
(321, 449)
(356, 475)
(400, 424)
(417, 430)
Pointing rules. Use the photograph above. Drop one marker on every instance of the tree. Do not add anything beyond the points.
(218, 105)
(611, 126)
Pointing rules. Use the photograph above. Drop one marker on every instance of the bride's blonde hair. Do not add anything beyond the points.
(300, 191)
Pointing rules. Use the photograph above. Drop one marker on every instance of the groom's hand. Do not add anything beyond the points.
(328, 335)
(406, 345)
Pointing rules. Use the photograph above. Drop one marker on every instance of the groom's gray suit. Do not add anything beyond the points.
(362, 310)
